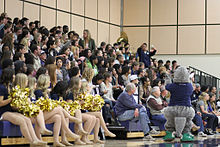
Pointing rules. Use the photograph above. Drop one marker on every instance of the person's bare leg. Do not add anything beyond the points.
(79, 126)
(89, 123)
(32, 132)
(63, 135)
(41, 122)
(102, 123)
(58, 110)
(72, 118)
(96, 132)
(16, 119)
(37, 131)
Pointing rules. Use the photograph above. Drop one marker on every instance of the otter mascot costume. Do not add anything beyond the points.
(179, 113)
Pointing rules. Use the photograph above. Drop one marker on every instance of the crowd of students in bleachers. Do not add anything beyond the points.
(58, 63)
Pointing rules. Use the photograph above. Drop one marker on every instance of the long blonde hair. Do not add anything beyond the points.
(84, 87)
(21, 80)
(88, 74)
(202, 97)
(42, 83)
(74, 86)
(88, 34)
(36, 38)
(31, 85)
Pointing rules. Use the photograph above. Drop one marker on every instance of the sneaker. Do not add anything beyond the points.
(153, 131)
(209, 132)
(201, 134)
(148, 138)
(187, 137)
(169, 136)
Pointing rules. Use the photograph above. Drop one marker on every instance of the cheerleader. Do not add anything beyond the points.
(84, 89)
(43, 84)
(91, 121)
(22, 81)
(8, 114)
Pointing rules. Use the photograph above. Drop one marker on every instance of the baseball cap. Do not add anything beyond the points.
(133, 77)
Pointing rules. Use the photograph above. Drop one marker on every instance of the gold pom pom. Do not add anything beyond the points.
(21, 103)
(90, 102)
(46, 104)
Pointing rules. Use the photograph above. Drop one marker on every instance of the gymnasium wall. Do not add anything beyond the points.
(174, 27)
(101, 17)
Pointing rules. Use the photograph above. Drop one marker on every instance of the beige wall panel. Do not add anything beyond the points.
(13, 11)
(191, 11)
(91, 25)
(63, 19)
(34, 1)
(164, 39)
(50, 3)
(1, 6)
(103, 33)
(192, 40)
(115, 11)
(78, 24)
(114, 33)
(136, 12)
(136, 37)
(164, 12)
(63, 5)
(48, 17)
(91, 8)
(213, 36)
(103, 10)
(78, 6)
(31, 11)
(213, 11)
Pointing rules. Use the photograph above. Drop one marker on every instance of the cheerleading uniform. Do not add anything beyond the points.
(38, 93)
(4, 93)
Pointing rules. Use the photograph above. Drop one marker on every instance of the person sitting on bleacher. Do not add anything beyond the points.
(156, 106)
(126, 108)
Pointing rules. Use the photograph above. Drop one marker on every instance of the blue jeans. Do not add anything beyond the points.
(212, 121)
(198, 121)
(143, 117)
(159, 120)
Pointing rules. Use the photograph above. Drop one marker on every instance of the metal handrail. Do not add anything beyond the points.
(215, 81)
(203, 72)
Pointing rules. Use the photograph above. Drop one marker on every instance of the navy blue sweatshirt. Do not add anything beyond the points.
(125, 102)
(180, 94)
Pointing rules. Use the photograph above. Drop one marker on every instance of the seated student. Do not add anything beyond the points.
(127, 109)
(202, 107)
(156, 105)
(212, 106)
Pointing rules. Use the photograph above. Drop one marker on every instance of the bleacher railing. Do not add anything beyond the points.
(204, 78)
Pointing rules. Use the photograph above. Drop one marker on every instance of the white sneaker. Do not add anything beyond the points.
(148, 138)
(153, 131)
(201, 134)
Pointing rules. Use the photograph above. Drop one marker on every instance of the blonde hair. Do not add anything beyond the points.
(42, 83)
(25, 42)
(162, 69)
(74, 86)
(21, 80)
(31, 85)
(88, 34)
(36, 38)
(88, 74)
(202, 97)
(84, 87)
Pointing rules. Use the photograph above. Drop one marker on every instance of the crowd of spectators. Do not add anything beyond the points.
(108, 70)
